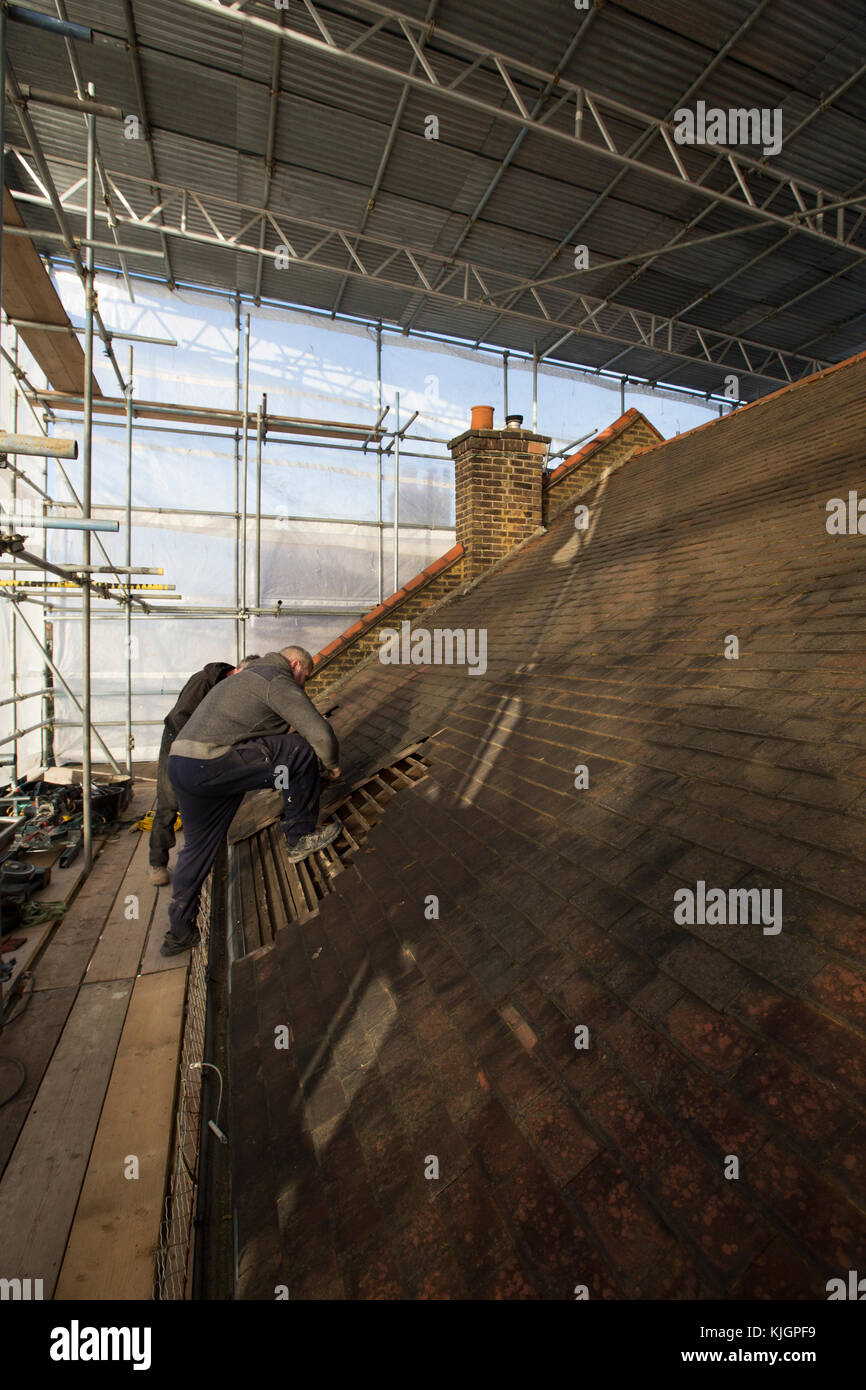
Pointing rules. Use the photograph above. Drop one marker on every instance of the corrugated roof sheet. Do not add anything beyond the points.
(206, 83)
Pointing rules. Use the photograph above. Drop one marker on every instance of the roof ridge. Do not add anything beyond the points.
(392, 602)
(762, 400)
(622, 423)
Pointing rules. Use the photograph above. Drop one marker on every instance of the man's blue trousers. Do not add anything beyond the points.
(209, 792)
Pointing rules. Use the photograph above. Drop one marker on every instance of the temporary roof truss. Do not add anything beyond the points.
(553, 308)
(549, 304)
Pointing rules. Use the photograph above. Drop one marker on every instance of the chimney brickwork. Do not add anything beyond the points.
(498, 478)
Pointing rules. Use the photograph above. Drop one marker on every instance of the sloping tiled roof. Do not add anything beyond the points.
(452, 1037)
(605, 437)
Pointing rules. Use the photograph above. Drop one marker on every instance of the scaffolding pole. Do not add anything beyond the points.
(86, 499)
(23, 384)
(52, 664)
(128, 567)
(237, 512)
(535, 389)
(261, 412)
(397, 494)
(228, 433)
(57, 206)
(46, 738)
(19, 473)
(3, 13)
(72, 571)
(244, 484)
(266, 516)
(32, 446)
(380, 561)
(84, 585)
(14, 624)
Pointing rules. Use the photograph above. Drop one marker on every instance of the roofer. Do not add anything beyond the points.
(238, 740)
(165, 815)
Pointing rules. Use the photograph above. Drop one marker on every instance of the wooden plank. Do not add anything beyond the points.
(32, 1039)
(293, 894)
(151, 961)
(67, 951)
(371, 807)
(28, 294)
(254, 896)
(384, 787)
(119, 949)
(417, 768)
(40, 1187)
(353, 843)
(397, 772)
(317, 878)
(310, 893)
(257, 810)
(407, 751)
(246, 892)
(351, 813)
(232, 419)
(278, 908)
(261, 891)
(65, 958)
(302, 897)
(116, 1228)
(358, 786)
(333, 862)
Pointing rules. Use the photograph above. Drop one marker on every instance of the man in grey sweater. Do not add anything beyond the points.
(165, 815)
(238, 740)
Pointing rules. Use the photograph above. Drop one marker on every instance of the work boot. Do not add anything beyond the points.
(173, 945)
(158, 874)
(309, 843)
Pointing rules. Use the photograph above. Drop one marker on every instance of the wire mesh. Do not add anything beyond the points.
(176, 1236)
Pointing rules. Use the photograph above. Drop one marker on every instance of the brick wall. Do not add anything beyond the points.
(498, 476)
(363, 639)
(502, 498)
(605, 453)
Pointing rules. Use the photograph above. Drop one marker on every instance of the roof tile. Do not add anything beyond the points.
(564, 907)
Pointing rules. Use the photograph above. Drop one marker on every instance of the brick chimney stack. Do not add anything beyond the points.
(498, 477)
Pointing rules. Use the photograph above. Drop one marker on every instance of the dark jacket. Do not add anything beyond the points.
(263, 699)
(193, 693)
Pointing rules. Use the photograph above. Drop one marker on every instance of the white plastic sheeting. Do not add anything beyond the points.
(184, 485)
